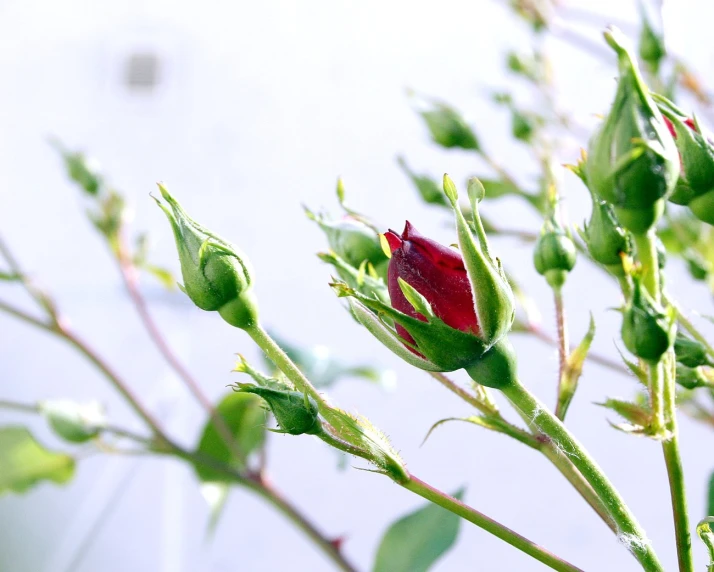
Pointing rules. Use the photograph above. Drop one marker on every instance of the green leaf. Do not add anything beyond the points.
(416, 541)
(245, 416)
(164, 276)
(429, 189)
(710, 497)
(74, 422)
(572, 371)
(632, 412)
(449, 129)
(25, 463)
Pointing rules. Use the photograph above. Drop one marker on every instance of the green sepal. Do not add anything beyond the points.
(295, 412)
(497, 368)
(362, 281)
(447, 348)
(690, 352)
(493, 298)
(606, 240)
(388, 336)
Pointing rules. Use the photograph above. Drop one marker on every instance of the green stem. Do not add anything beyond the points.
(662, 396)
(647, 255)
(563, 345)
(675, 473)
(455, 506)
(629, 531)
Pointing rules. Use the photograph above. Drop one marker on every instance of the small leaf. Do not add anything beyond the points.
(573, 370)
(24, 462)
(710, 496)
(632, 412)
(449, 129)
(164, 276)
(416, 541)
(216, 496)
(74, 422)
(706, 535)
(429, 189)
(10, 276)
(245, 416)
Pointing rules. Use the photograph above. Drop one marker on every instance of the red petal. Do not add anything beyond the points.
(393, 240)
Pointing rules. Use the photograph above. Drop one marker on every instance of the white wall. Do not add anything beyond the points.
(262, 105)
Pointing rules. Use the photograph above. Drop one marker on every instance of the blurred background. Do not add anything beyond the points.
(246, 111)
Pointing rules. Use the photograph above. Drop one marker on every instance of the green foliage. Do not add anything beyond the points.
(25, 463)
(710, 496)
(416, 541)
(74, 422)
(449, 129)
(245, 416)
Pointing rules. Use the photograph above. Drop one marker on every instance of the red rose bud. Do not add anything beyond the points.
(695, 187)
(632, 159)
(216, 275)
(437, 273)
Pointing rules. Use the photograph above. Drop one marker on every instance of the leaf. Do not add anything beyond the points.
(416, 541)
(216, 496)
(632, 412)
(25, 463)
(74, 422)
(245, 416)
(164, 276)
(710, 497)
(573, 370)
(10, 276)
(497, 188)
(429, 189)
(448, 128)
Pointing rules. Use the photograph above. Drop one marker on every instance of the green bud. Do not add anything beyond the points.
(605, 239)
(297, 414)
(652, 49)
(691, 353)
(691, 377)
(648, 330)
(554, 255)
(216, 275)
(632, 159)
(702, 207)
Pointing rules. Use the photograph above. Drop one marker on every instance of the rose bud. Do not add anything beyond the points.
(296, 414)
(451, 309)
(691, 353)
(216, 275)
(632, 159)
(648, 330)
(605, 239)
(554, 254)
(692, 377)
(695, 187)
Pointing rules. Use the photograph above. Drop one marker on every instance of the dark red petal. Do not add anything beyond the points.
(438, 253)
(393, 240)
(670, 127)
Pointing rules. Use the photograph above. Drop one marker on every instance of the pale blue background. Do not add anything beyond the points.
(262, 105)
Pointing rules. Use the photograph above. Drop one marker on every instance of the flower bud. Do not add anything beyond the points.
(605, 239)
(651, 47)
(648, 330)
(297, 414)
(695, 187)
(691, 353)
(691, 377)
(216, 275)
(554, 255)
(632, 158)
